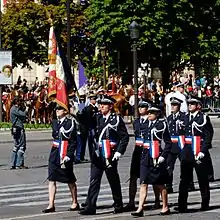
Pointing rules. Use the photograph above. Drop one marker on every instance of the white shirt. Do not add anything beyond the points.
(184, 106)
(168, 104)
(106, 116)
(144, 117)
(61, 120)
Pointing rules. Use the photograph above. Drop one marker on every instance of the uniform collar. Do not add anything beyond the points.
(106, 117)
(144, 117)
(61, 120)
(194, 114)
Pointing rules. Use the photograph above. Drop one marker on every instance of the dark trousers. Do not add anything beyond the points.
(95, 182)
(210, 168)
(171, 160)
(84, 137)
(186, 168)
(91, 143)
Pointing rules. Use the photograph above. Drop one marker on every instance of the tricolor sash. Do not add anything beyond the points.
(63, 149)
(180, 140)
(147, 144)
(139, 142)
(56, 143)
(106, 146)
(196, 145)
(154, 149)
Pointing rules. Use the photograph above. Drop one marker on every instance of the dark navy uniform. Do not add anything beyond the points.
(197, 138)
(64, 143)
(140, 128)
(175, 122)
(150, 172)
(111, 132)
(88, 119)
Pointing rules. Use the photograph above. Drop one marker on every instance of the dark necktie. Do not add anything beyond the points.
(142, 120)
(191, 117)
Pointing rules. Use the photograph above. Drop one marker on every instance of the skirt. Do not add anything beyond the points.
(136, 162)
(154, 175)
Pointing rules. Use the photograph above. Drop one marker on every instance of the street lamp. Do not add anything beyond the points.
(134, 34)
(103, 54)
(145, 68)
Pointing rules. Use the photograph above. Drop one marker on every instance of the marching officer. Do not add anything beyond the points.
(153, 169)
(88, 119)
(175, 122)
(18, 117)
(61, 158)
(194, 154)
(112, 138)
(140, 130)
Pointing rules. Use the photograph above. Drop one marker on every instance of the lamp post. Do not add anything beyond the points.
(134, 34)
(103, 54)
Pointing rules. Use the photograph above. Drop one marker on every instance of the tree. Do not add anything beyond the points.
(173, 33)
(25, 30)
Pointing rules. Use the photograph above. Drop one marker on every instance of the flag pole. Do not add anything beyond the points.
(1, 106)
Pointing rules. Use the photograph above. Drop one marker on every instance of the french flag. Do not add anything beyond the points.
(188, 140)
(181, 141)
(106, 149)
(63, 149)
(174, 139)
(139, 142)
(196, 145)
(154, 149)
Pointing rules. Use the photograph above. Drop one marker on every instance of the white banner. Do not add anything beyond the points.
(6, 67)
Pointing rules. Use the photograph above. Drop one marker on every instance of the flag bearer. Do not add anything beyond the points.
(61, 158)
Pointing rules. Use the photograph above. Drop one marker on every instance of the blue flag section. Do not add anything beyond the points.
(82, 76)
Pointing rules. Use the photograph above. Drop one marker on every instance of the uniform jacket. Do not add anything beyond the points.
(113, 129)
(67, 132)
(175, 126)
(199, 126)
(158, 131)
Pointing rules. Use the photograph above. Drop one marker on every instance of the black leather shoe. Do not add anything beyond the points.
(181, 210)
(22, 167)
(87, 212)
(13, 168)
(129, 208)
(118, 209)
(204, 208)
(77, 208)
(211, 178)
(49, 210)
(83, 205)
(169, 190)
(191, 187)
(165, 213)
(138, 214)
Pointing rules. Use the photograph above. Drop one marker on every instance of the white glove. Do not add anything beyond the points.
(65, 159)
(160, 160)
(200, 156)
(117, 155)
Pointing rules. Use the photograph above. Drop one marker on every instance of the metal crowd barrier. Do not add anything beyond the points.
(211, 105)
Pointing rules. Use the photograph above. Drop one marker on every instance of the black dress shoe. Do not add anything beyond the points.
(12, 168)
(49, 210)
(211, 178)
(77, 208)
(118, 209)
(181, 210)
(129, 208)
(169, 190)
(204, 208)
(191, 187)
(87, 212)
(83, 205)
(138, 214)
(165, 213)
(22, 167)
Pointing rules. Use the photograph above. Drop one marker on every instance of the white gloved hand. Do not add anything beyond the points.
(117, 155)
(160, 160)
(200, 156)
(65, 159)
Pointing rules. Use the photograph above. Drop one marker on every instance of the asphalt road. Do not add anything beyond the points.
(23, 194)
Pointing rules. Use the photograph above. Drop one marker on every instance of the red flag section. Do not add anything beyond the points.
(59, 72)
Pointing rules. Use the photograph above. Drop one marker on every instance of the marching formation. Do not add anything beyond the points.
(159, 141)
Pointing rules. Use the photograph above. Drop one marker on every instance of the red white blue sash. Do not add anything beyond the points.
(63, 149)
(154, 149)
(147, 144)
(106, 146)
(180, 140)
(56, 143)
(139, 142)
(196, 145)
